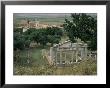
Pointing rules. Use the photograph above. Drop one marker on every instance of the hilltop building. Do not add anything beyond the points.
(26, 24)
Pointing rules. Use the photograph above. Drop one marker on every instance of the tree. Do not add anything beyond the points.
(84, 27)
(53, 39)
(27, 41)
(18, 30)
(34, 36)
(43, 38)
(18, 41)
(54, 31)
(29, 31)
(54, 34)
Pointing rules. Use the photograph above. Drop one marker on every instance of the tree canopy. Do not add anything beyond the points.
(43, 36)
(84, 27)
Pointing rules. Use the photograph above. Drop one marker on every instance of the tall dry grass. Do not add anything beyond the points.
(85, 67)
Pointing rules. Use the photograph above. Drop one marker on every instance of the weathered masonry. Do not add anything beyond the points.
(67, 53)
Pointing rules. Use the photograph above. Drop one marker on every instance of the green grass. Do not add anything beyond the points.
(36, 55)
(36, 59)
(40, 66)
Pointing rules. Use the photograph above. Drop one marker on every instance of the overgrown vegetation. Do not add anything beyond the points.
(43, 36)
(84, 27)
(29, 61)
(86, 67)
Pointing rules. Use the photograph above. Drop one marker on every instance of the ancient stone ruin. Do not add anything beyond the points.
(67, 53)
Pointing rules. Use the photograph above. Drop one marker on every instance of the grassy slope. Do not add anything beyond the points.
(84, 68)
(40, 67)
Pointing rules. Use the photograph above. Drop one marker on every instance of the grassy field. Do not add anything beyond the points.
(40, 66)
(46, 20)
(35, 55)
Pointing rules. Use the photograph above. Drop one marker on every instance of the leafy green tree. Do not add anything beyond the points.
(18, 41)
(18, 30)
(54, 31)
(53, 39)
(29, 31)
(27, 41)
(43, 39)
(42, 36)
(84, 27)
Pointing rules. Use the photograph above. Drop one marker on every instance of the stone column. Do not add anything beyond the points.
(65, 57)
(77, 52)
(82, 52)
(61, 57)
(85, 54)
(72, 56)
(51, 52)
(56, 58)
